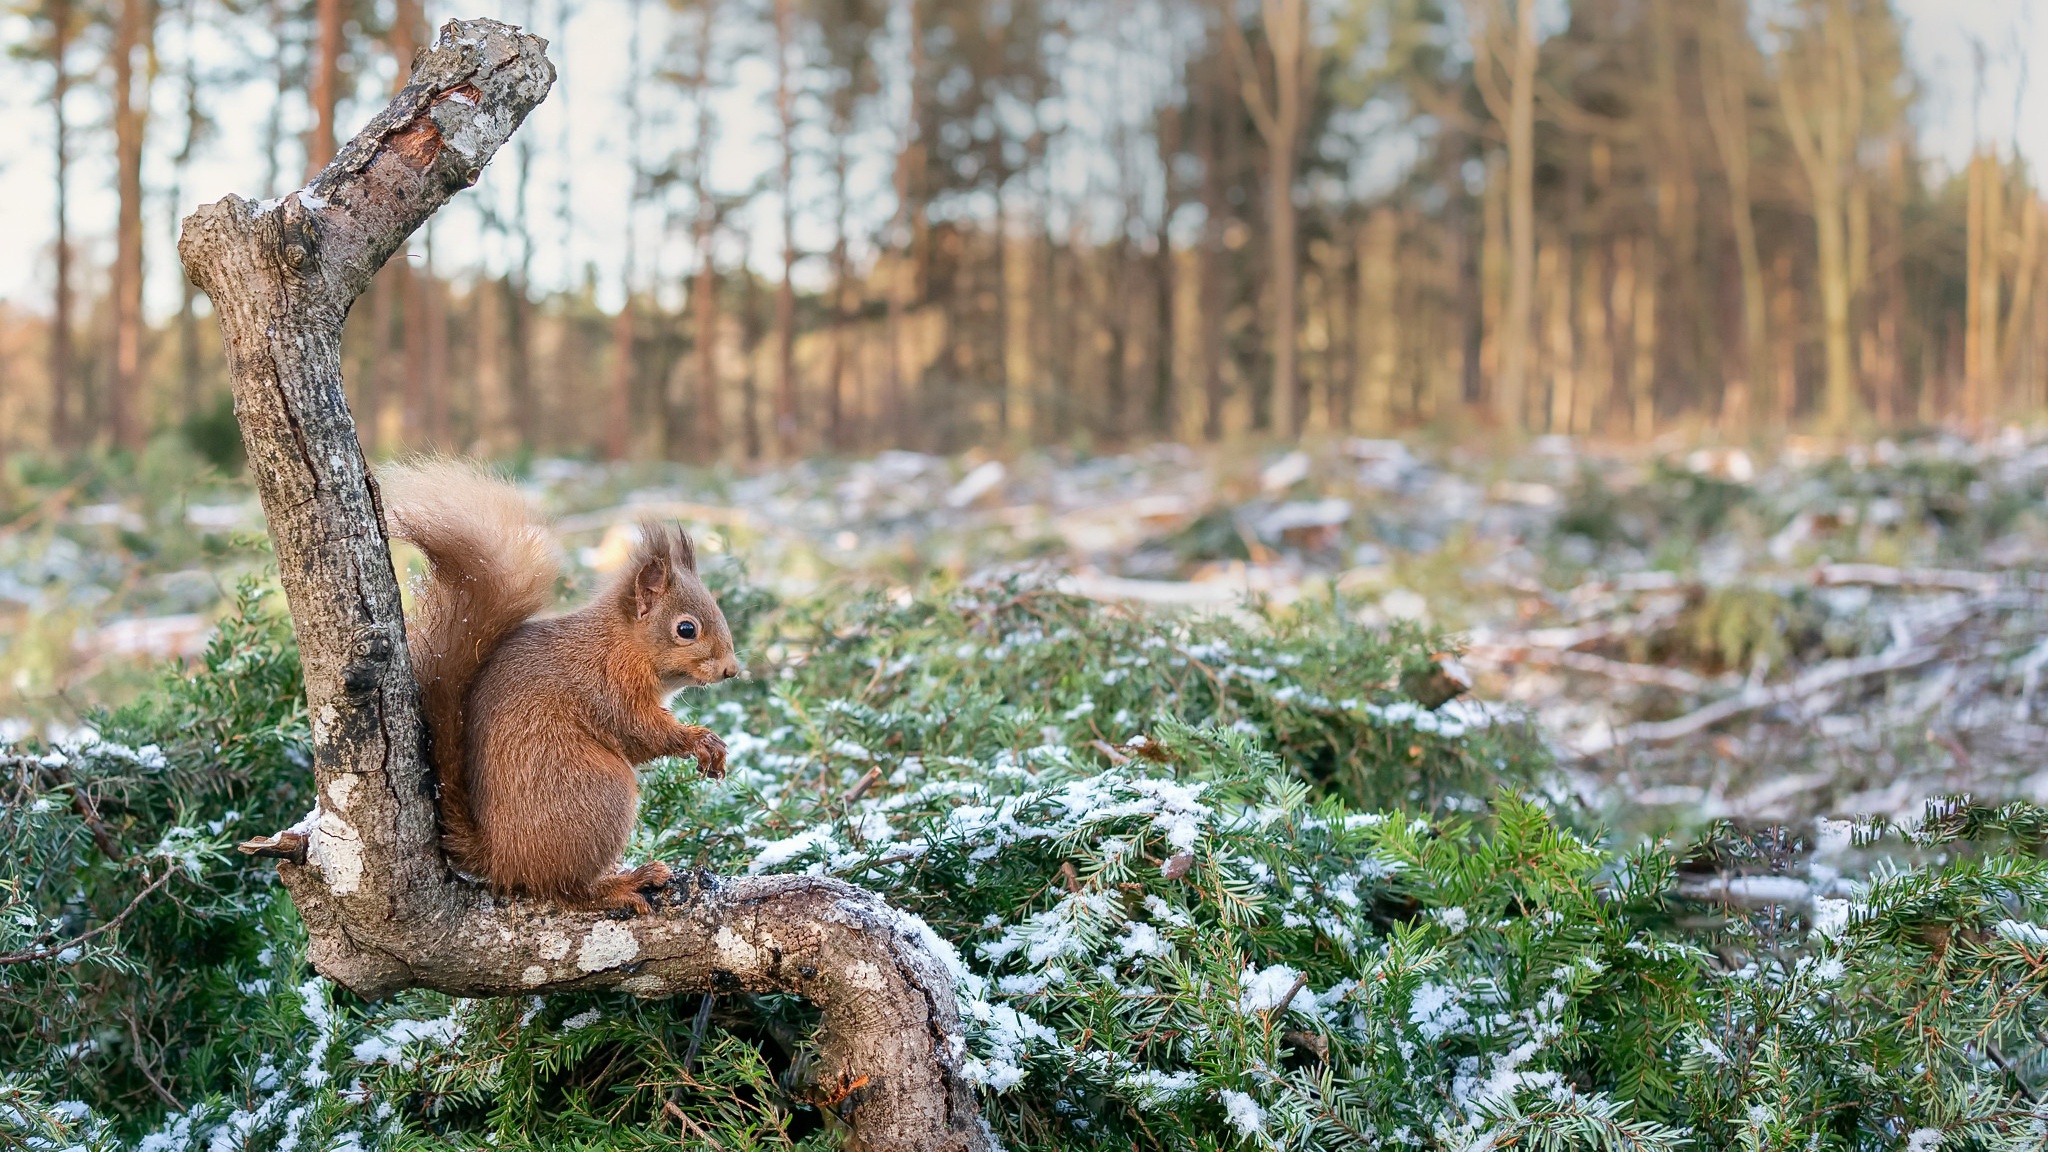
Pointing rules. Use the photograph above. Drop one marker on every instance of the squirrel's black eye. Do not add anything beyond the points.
(686, 628)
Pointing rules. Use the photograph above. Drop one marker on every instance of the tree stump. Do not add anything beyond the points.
(383, 911)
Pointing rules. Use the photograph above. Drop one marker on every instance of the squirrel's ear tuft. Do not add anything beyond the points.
(652, 564)
(685, 550)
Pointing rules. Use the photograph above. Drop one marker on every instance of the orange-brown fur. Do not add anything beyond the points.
(537, 723)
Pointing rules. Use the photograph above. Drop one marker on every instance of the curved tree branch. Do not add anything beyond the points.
(382, 910)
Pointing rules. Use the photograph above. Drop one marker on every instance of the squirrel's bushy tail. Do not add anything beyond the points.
(491, 566)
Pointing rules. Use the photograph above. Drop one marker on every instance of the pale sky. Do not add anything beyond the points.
(580, 122)
(1940, 35)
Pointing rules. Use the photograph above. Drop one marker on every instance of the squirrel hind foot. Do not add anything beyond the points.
(654, 875)
(625, 893)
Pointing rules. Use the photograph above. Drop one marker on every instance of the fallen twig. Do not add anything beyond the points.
(1650, 675)
(32, 955)
(1910, 579)
(860, 788)
(1820, 679)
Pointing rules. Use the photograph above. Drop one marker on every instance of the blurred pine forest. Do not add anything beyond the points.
(1099, 222)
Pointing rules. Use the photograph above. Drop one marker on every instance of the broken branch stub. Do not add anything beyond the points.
(382, 909)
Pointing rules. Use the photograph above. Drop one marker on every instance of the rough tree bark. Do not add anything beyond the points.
(382, 910)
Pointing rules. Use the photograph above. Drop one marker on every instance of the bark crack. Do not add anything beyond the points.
(305, 447)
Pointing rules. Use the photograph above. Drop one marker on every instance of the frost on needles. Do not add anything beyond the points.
(1203, 884)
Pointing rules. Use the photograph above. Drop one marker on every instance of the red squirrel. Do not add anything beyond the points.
(536, 721)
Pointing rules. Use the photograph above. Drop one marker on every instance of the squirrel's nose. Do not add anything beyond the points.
(730, 668)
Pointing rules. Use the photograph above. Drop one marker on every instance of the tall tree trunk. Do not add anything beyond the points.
(519, 307)
(1163, 415)
(1643, 376)
(1113, 310)
(894, 328)
(1493, 274)
(1621, 308)
(404, 39)
(1050, 391)
(1377, 320)
(1823, 104)
(126, 404)
(61, 350)
(1688, 324)
(1995, 314)
(618, 427)
(750, 358)
(785, 296)
(1165, 403)
(1212, 132)
(188, 333)
(902, 233)
(282, 89)
(1344, 340)
(492, 433)
(1281, 116)
(1555, 261)
(438, 385)
(1521, 126)
(1784, 340)
(378, 387)
(326, 85)
(413, 316)
(1980, 288)
(709, 433)
(2032, 327)
(2026, 269)
(1000, 322)
(1046, 315)
(1074, 320)
(1214, 302)
(1595, 339)
(842, 289)
(1831, 249)
(704, 311)
(1727, 107)
(1892, 317)
(1510, 251)
(1461, 260)
(1330, 311)
(189, 371)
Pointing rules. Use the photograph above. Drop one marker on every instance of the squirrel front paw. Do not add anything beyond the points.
(710, 753)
